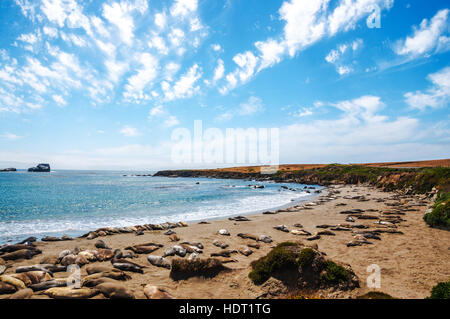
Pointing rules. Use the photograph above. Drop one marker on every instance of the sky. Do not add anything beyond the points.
(104, 84)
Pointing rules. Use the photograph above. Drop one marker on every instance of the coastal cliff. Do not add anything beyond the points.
(409, 180)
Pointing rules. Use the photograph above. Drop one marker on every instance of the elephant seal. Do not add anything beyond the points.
(21, 254)
(89, 255)
(220, 244)
(158, 261)
(114, 290)
(191, 249)
(19, 284)
(113, 274)
(32, 277)
(6, 288)
(94, 269)
(12, 248)
(94, 282)
(22, 294)
(154, 292)
(174, 237)
(28, 240)
(49, 268)
(70, 293)
(101, 244)
(128, 267)
(246, 251)
(144, 248)
(58, 282)
(2, 269)
(103, 254)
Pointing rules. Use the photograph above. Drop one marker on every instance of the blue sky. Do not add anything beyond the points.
(92, 84)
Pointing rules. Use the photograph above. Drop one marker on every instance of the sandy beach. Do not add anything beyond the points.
(411, 262)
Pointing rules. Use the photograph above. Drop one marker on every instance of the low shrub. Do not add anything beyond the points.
(440, 215)
(441, 291)
(334, 274)
(375, 295)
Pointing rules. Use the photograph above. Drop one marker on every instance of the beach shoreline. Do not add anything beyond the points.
(411, 261)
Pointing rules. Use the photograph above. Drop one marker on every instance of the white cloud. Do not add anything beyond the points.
(185, 87)
(129, 131)
(171, 121)
(216, 47)
(436, 96)
(431, 36)
(183, 7)
(59, 100)
(305, 23)
(252, 106)
(160, 20)
(10, 136)
(219, 71)
(155, 111)
(303, 112)
(138, 83)
(271, 52)
(340, 56)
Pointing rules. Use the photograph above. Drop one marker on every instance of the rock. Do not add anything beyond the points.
(193, 256)
(224, 232)
(282, 228)
(22, 294)
(183, 269)
(265, 239)
(114, 291)
(154, 292)
(9, 169)
(158, 261)
(40, 168)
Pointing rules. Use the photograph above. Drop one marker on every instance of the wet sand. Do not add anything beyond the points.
(411, 263)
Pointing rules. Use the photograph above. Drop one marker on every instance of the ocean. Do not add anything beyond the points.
(75, 202)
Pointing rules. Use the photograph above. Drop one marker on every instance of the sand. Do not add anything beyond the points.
(411, 263)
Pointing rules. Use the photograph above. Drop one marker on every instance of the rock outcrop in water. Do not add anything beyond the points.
(10, 169)
(40, 168)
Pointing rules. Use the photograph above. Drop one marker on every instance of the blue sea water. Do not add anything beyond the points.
(74, 202)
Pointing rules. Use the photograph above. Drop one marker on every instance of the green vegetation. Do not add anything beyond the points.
(335, 274)
(277, 259)
(440, 215)
(441, 291)
(375, 295)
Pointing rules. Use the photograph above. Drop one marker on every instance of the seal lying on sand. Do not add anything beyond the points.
(17, 283)
(59, 282)
(22, 294)
(128, 267)
(6, 288)
(144, 248)
(154, 292)
(114, 290)
(70, 293)
(12, 248)
(21, 254)
(32, 277)
(158, 261)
